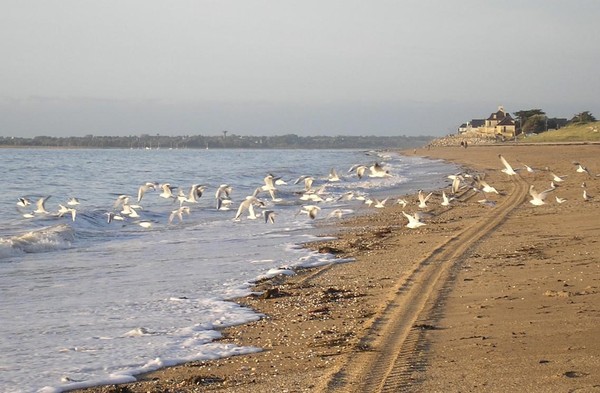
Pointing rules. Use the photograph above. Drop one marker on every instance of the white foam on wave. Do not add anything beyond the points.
(181, 345)
(56, 237)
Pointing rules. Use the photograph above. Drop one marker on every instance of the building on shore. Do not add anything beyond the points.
(499, 124)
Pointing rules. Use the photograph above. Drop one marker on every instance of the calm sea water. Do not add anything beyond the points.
(86, 302)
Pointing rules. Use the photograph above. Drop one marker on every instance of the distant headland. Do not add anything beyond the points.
(224, 141)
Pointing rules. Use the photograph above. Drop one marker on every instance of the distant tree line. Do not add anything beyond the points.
(536, 121)
(225, 141)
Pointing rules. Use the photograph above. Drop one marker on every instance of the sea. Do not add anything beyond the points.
(87, 302)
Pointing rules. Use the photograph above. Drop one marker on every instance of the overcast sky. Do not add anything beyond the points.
(182, 67)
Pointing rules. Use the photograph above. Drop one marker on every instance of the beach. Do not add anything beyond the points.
(493, 296)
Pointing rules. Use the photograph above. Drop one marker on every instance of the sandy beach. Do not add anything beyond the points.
(493, 297)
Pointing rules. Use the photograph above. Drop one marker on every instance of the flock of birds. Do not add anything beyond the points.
(127, 207)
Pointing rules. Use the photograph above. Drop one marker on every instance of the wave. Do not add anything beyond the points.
(55, 237)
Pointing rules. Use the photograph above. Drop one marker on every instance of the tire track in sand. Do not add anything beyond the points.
(389, 353)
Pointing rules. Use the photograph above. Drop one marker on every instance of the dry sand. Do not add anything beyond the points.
(482, 298)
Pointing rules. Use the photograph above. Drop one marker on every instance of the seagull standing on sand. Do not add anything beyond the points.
(528, 168)
(587, 197)
(581, 168)
(456, 179)
(445, 199)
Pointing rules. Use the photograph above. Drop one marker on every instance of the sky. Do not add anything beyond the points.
(307, 67)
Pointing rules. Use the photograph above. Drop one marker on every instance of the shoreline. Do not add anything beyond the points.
(320, 324)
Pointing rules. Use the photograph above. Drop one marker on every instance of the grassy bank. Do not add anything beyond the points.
(575, 133)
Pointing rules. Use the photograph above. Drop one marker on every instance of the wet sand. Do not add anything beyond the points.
(485, 297)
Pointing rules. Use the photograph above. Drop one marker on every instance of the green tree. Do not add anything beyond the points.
(535, 124)
(524, 115)
(582, 118)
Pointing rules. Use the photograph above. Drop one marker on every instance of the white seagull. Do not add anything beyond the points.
(557, 178)
(537, 198)
(121, 200)
(456, 179)
(145, 224)
(40, 208)
(423, 199)
(508, 169)
(402, 201)
(73, 201)
(167, 191)
(581, 168)
(413, 220)
(376, 170)
(339, 213)
(129, 211)
(445, 199)
(248, 204)
(179, 213)
(62, 210)
(112, 216)
(23, 202)
(144, 188)
(308, 181)
(269, 187)
(485, 187)
(310, 210)
(333, 175)
(379, 204)
(528, 168)
(223, 197)
(360, 170)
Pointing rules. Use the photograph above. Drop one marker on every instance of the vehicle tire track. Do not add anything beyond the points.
(388, 355)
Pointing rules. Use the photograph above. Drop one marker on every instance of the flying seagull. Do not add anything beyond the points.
(537, 198)
(423, 199)
(508, 169)
(414, 221)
